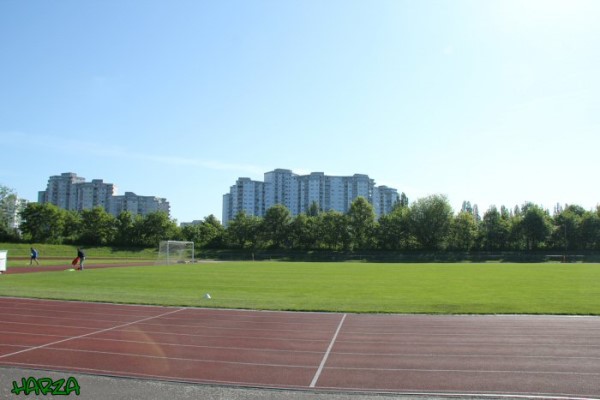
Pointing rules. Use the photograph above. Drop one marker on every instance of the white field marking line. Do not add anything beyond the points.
(465, 343)
(43, 303)
(326, 355)
(225, 317)
(57, 317)
(258, 323)
(436, 355)
(470, 371)
(173, 319)
(200, 326)
(89, 334)
(25, 311)
(48, 325)
(195, 360)
(228, 328)
(200, 335)
(183, 334)
(465, 334)
(31, 334)
(206, 347)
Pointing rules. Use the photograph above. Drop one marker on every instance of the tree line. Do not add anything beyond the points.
(427, 224)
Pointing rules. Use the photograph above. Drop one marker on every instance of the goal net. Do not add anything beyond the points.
(175, 252)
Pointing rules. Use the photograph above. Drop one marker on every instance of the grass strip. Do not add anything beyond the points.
(487, 288)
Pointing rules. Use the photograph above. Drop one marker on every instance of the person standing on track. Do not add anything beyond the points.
(81, 256)
(34, 257)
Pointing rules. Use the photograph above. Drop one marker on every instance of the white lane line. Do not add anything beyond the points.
(318, 374)
(470, 371)
(187, 359)
(91, 333)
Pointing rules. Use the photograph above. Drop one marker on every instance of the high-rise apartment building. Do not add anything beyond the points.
(246, 195)
(70, 192)
(299, 192)
(94, 194)
(137, 205)
(61, 191)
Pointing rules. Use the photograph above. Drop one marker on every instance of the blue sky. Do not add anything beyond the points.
(494, 102)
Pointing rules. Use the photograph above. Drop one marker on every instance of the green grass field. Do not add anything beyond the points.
(51, 254)
(488, 288)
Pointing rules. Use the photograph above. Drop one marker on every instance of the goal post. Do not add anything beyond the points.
(175, 252)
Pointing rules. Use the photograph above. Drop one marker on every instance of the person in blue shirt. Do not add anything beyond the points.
(34, 257)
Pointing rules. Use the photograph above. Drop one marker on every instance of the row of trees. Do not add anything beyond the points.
(426, 224)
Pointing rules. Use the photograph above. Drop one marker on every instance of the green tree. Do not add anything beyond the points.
(393, 230)
(125, 234)
(72, 226)
(535, 226)
(463, 231)
(214, 232)
(430, 220)
(403, 202)
(304, 232)
(334, 229)
(495, 229)
(567, 228)
(243, 231)
(275, 226)
(207, 234)
(361, 221)
(98, 227)
(590, 231)
(314, 209)
(43, 223)
(154, 227)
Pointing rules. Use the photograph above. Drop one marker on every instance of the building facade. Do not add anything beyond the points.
(61, 191)
(246, 195)
(299, 192)
(137, 205)
(71, 192)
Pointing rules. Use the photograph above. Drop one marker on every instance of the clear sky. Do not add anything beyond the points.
(494, 102)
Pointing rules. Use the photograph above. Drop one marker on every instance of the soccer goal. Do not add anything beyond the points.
(175, 252)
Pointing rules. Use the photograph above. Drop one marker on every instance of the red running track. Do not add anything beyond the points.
(550, 356)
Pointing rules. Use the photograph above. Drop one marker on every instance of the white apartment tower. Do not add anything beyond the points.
(299, 192)
(61, 191)
(281, 188)
(137, 205)
(94, 194)
(246, 195)
(70, 192)
(384, 199)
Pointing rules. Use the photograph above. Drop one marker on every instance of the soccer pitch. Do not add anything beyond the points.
(457, 288)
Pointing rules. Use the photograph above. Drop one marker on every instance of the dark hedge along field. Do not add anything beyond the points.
(487, 288)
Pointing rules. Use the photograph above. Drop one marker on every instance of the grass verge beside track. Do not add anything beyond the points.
(53, 254)
(488, 288)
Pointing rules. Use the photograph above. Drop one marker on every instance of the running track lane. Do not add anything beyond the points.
(509, 355)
